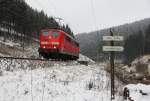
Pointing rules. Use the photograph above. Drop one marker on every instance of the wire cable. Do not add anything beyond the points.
(42, 6)
(44, 78)
(52, 5)
(93, 14)
(31, 85)
(95, 25)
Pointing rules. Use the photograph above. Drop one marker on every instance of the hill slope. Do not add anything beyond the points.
(91, 43)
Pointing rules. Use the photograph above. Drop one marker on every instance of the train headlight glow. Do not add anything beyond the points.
(55, 43)
(44, 42)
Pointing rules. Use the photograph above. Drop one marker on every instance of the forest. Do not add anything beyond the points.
(19, 21)
(136, 41)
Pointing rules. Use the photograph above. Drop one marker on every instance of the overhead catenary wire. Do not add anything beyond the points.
(93, 13)
(94, 17)
(31, 85)
(53, 15)
(59, 18)
(52, 5)
(39, 4)
(96, 26)
(44, 85)
(22, 58)
(42, 6)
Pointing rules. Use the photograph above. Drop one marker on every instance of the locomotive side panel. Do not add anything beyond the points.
(70, 46)
(58, 44)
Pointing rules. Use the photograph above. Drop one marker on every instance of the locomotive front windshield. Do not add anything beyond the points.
(45, 33)
(55, 34)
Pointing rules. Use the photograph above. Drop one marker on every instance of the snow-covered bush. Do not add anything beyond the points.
(89, 85)
(142, 68)
(1, 73)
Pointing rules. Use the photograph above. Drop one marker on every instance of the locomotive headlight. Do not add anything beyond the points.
(55, 43)
(44, 42)
(54, 47)
(44, 47)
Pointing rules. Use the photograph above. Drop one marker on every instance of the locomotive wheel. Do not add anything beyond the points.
(44, 55)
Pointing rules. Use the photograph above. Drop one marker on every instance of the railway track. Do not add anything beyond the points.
(39, 59)
(22, 58)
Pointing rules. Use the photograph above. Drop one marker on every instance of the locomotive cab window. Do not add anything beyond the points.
(67, 38)
(55, 34)
(45, 33)
(76, 44)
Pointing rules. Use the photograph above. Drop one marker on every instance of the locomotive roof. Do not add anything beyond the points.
(63, 32)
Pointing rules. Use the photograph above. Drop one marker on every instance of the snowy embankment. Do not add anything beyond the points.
(139, 70)
(144, 60)
(9, 43)
(139, 92)
(15, 49)
(84, 58)
(22, 80)
(56, 83)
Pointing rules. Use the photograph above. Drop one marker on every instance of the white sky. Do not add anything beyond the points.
(90, 15)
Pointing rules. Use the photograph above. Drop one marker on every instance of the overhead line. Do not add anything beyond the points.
(93, 14)
(44, 84)
(43, 6)
(31, 85)
(52, 4)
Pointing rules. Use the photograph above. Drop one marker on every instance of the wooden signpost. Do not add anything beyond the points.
(112, 49)
(113, 38)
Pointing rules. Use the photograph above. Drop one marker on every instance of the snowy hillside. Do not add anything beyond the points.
(136, 72)
(50, 81)
(85, 58)
(23, 80)
(139, 92)
(143, 59)
(56, 83)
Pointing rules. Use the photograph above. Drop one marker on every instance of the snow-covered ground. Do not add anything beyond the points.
(59, 81)
(135, 92)
(56, 83)
(8, 42)
(84, 58)
(142, 60)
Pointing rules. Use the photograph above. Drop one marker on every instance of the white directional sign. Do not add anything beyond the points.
(113, 48)
(113, 38)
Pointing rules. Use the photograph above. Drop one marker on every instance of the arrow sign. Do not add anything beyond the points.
(113, 38)
(113, 48)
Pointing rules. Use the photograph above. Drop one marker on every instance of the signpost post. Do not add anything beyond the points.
(112, 49)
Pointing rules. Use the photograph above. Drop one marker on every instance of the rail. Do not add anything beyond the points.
(22, 58)
(39, 59)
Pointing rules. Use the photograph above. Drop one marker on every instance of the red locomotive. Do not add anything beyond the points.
(57, 44)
